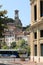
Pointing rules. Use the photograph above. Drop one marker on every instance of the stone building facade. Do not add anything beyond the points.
(36, 30)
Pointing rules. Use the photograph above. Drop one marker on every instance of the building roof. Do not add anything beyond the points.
(8, 33)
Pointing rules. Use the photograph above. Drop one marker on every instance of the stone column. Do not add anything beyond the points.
(38, 46)
(32, 45)
(38, 10)
(32, 13)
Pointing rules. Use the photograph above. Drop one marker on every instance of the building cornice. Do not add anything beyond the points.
(36, 24)
(32, 1)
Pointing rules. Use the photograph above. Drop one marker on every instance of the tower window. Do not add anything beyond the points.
(41, 8)
(35, 12)
(41, 33)
(35, 35)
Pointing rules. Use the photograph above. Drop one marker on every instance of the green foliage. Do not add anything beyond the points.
(2, 26)
(5, 47)
(16, 47)
(26, 28)
(24, 47)
(28, 50)
(7, 20)
(2, 13)
(21, 42)
(13, 44)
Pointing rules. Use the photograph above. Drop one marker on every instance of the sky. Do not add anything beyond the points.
(22, 5)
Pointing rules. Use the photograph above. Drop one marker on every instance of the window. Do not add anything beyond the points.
(41, 33)
(35, 35)
(7, 40)
(35, 12)
(41, 49)
(41, 8)
(35, 50)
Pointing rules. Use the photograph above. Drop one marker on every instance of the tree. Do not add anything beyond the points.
(26, 28)
(4, 47)
(2, 13)
(13, 45)
(2, 26)
(21, 42)
(24, 47)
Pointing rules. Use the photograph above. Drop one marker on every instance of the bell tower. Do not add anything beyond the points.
(16, 14)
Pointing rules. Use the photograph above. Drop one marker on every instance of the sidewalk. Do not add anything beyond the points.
(27, 63)
(19, 62)
(24, 62)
